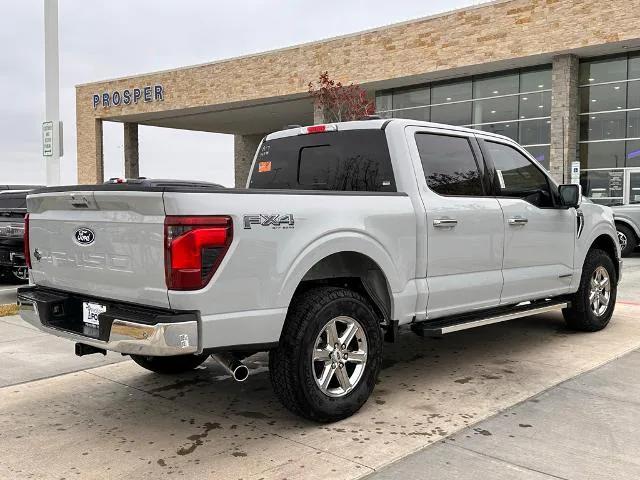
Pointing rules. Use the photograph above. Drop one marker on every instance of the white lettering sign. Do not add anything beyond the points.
(47, 139)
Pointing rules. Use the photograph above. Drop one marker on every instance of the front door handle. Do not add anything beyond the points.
(445, 222)
(518, 221)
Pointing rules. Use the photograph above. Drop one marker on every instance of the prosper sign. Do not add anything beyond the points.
(150, 93)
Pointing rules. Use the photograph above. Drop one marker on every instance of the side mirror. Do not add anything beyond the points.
(570, 195)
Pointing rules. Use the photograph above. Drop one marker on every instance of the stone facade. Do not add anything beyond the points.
(245, 147)
(131, 151)
(564, 116)
(494, 33)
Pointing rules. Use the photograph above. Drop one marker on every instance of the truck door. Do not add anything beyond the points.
(539, 235)
(465, 228)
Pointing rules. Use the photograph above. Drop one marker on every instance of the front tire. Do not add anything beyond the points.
(592, 305)
(329, 356)
(627, 239)
(170, 365)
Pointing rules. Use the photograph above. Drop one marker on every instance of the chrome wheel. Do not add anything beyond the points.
(622, 240)
(21, 273)
(339, 356)
(600, 292)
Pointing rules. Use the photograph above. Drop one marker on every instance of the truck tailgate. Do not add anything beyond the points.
(100, 243)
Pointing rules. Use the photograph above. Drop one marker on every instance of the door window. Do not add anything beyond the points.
(519, 177)
(449, 165)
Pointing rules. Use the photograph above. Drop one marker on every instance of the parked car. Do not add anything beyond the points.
(627, 219)
(618, 188)
(13, 206)
(346, 232)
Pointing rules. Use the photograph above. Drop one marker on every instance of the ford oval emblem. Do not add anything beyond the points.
(84, 236)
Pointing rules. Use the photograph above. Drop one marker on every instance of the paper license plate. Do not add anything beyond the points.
(90, 312)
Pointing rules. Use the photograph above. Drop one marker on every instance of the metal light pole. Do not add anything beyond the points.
(51, 129)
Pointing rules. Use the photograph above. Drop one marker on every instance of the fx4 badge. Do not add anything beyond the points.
(269, 220)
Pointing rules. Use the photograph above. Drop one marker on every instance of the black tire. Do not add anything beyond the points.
(630, 235)
(580, 316)
(290, 365)
(170, 365)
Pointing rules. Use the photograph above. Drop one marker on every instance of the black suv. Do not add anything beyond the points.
(13, 206)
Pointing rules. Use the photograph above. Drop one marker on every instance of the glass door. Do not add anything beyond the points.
(633, 185)
(604, 185)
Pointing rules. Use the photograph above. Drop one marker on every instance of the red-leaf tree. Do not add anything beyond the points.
(339, 102)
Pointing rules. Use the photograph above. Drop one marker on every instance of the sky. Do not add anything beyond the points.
(102, 40)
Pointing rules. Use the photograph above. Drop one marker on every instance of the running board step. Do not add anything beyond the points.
(487, 317)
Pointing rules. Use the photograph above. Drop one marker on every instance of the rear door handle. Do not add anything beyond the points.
(518, 221)
(445, 222)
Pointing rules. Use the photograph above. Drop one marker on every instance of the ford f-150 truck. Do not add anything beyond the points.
(345, 233)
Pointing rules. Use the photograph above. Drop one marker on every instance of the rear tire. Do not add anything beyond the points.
(593, 304)
(627, 239)
(311, 373)
(170, 365)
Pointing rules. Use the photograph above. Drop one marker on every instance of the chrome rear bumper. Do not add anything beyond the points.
(152, 334)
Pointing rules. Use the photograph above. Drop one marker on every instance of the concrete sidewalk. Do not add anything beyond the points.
(586, 427)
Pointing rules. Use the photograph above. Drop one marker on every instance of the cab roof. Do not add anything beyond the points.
(376, 124)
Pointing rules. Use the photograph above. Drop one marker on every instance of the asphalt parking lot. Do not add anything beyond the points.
(105, 417)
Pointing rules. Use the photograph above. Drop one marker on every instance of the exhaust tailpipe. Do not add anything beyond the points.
(232, 365)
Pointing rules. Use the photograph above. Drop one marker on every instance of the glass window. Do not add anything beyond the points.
(633, 153)
(600, 98)
(507, 129)
(495, 109)
(449, 165)
(604, 70)
(518, 176)
(633, 124)
(603, 186)
(634, 65)
(454, 114)
(633, 94)
(495, 85)
(421, 113)
(353, 160)
(412, 97)
(602, 154)
(541, 154)
(535, 132)
(451, 92)
(602, 126)
(533, 105)
(384, 101)
(634, 187)
(533, 80)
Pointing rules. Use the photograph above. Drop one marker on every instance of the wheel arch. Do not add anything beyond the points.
(629, 224)
(352, 258)
(607, 244)
(354, 270)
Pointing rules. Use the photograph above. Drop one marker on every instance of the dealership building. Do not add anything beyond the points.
(560, 77)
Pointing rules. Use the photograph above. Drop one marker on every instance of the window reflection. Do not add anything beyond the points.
(491, 103)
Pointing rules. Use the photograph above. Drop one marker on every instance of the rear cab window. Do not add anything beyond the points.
(348, 160)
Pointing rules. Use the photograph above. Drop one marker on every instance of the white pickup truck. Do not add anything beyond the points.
(346, 232)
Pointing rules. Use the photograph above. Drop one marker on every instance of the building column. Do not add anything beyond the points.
(131, 164)
(90, 161)
(318, 114)
(244, 149)
(564, 116)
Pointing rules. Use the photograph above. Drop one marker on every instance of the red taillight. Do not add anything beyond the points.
(194, 248)
(27, 252)
(318, 129)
